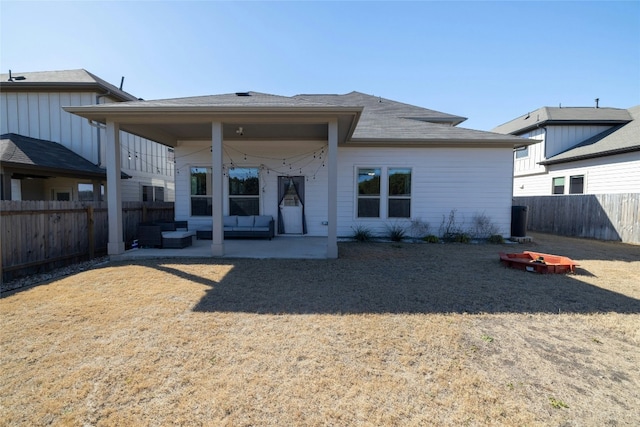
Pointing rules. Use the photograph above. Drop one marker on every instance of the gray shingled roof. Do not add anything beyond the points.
(563, 115)
(383, 106)
(239, 99)
(381, 120)
(388, 120)
(62, 79)
(619, 139)
(41, 157)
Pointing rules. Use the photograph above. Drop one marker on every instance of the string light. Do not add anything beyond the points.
(301, 161)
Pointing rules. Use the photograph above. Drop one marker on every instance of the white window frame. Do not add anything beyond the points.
(209, 187)
(230, 196)
(584, 183)
(400, 197)
(381, 207)
(384, 196)
(553, 186)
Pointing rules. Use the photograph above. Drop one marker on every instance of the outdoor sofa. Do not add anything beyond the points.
(248, 226)
(165, 234)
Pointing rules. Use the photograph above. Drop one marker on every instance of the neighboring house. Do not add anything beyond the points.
(31, 112)
(343, 161)
(36, 166)
(580, 150)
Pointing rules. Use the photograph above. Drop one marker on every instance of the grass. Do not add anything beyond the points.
(381, 336)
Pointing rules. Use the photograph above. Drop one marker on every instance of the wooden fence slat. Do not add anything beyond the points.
(37, 234)
(601, 216)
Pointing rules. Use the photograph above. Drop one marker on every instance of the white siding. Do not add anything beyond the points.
(264, 156)
(529, 164)
(40, 115)
(532, 185)
(561, 138)
(604, 175)
(468, 180)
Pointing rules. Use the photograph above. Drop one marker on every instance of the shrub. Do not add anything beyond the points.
(396, 233)
(419, 228)
(461, 238)
(431, 239)
(362, 233)
(449, 228)
(496, 239)
(482, 226)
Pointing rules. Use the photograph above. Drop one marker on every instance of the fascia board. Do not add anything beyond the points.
(510, 143)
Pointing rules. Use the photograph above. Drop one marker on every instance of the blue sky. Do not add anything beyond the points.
(488, 61)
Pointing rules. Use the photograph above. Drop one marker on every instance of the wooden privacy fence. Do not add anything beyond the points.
(40, 235)
(596, 216)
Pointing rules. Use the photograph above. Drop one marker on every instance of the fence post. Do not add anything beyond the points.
(91, 229)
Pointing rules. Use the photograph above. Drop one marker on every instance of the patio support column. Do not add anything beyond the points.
(115, 245)
(332, 199)
(217, 234)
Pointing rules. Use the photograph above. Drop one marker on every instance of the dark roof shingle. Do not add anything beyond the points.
(62, 79)
(45, 157)
(563, 115)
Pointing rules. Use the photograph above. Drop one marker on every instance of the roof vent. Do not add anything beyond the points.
(597, 102)
(11, 78)
(243, 94)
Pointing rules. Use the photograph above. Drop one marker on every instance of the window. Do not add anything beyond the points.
(522, 152)
(85, 192)
(244, 191)
(558, 185)
(152, 194)
(369, 193)
(61, 194)
(576, 184)
(399, 193)
(201, 192)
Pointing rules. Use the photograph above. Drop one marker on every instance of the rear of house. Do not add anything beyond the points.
(339, 162)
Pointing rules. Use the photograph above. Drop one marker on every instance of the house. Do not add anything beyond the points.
(338, 161)
(61, 156)
(578, 150)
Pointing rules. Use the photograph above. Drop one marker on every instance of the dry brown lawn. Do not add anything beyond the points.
(388, 334)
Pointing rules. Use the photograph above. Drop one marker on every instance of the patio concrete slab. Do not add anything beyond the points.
(286, 247)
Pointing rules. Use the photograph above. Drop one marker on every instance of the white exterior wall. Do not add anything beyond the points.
(561, 138)
(603, 175)
(469, 180)
(529, 164)
(532, 185)
(40, 115)
(264, 156)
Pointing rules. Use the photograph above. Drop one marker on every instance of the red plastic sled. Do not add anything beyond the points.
(539, 262)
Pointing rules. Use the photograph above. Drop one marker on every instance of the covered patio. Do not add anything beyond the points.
(220, 120)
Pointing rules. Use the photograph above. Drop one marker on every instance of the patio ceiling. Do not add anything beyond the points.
(170, 126)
